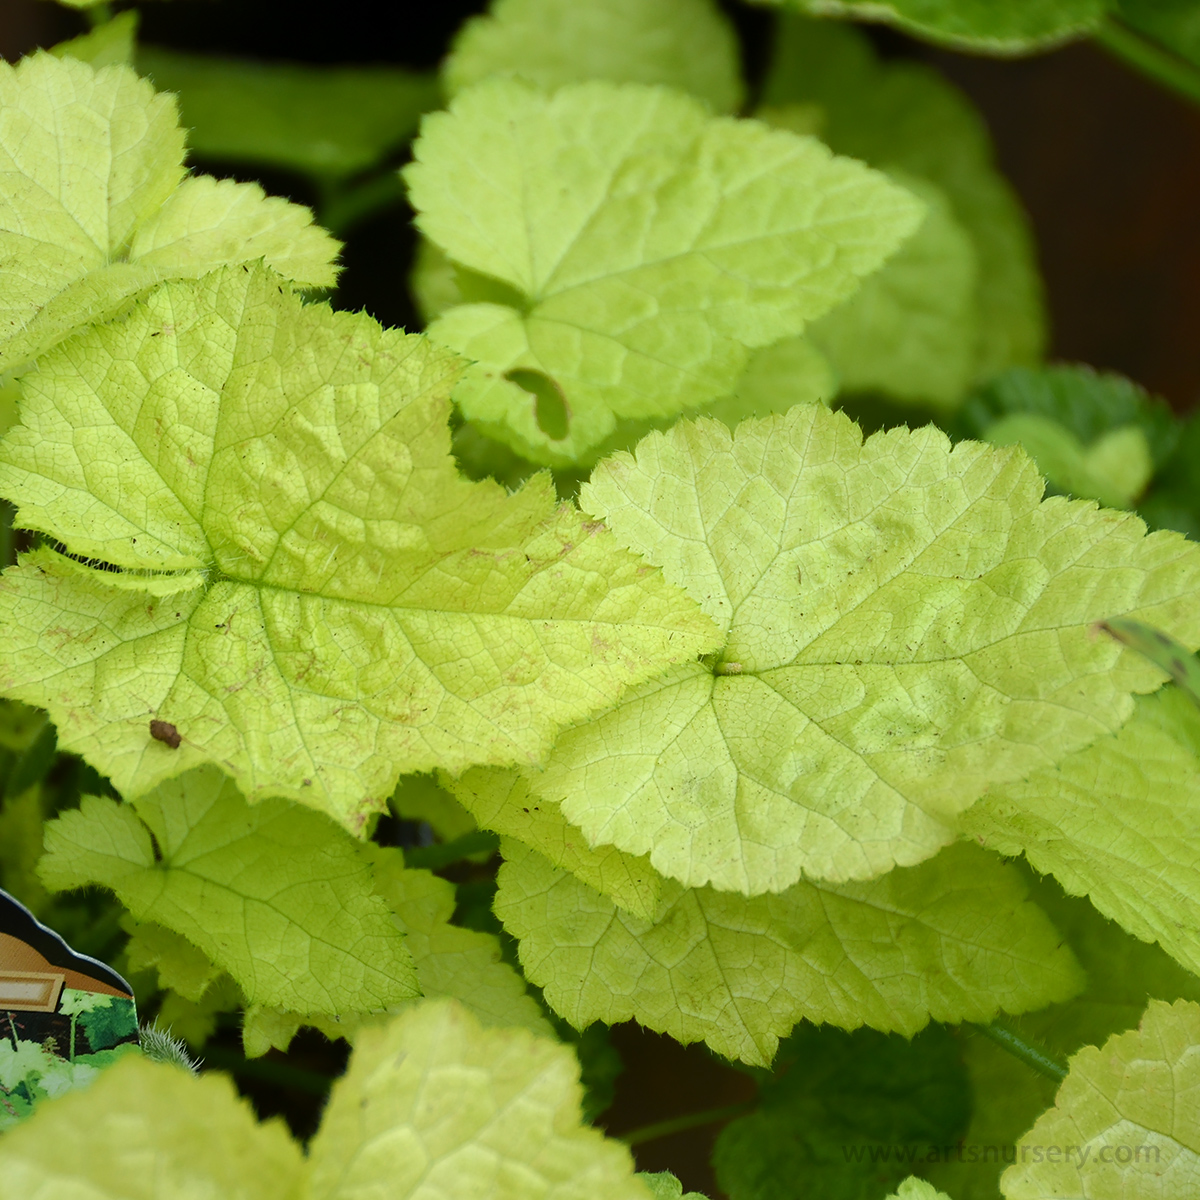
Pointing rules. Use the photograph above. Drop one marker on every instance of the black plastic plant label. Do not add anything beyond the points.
(63, 1016)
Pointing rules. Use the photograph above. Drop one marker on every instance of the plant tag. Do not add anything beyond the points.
(63, 1016)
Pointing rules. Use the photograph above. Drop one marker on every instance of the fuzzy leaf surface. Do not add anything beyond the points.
(896, 114)
(1139, 1091)
(952, 939)
(94, 207)
(145, 1131)
(684, 44)
(987, 26)
(1118, 822)
(672, 245)
(906, 625)
(434, 1105)
(273, 893)
(502, 800)
(310, 592)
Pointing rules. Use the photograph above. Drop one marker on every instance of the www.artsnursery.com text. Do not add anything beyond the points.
(1122, 1155)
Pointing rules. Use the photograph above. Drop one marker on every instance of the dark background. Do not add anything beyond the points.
(1108, 166)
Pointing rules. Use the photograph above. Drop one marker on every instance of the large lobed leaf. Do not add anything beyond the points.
(952, 939)
(94, 207)
(906, 625)
(434, 1106)
(308, 590)
(671, 245)
(273, 893)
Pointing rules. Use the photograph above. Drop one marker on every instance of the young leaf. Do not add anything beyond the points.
(664, 1186)
(896, 113)
(1125, 1121)
(838, 1100)
(952, 939)
(672, 245)
(501, 800)
(330, 122)
(344, 606)
(917, 1189)
(906, 625)
(96, 209)
(685, 44)
(1093, 435)
(1118, 822)
(273, 893)
(435, 1104)
(987, 26)
(144, 1131)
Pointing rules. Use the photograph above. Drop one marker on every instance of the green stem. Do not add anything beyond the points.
(7, 557)
(1031, 1056)
(661, 1129)
(74, 1018)
(268, 1070)
(1147, 56)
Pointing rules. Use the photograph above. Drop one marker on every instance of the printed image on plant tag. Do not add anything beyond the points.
(63, 1016)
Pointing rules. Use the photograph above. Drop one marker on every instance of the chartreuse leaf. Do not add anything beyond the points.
(911, 330)
(95, 208)
(1118, 822)
(1126, 1121)
(952, 939)
(917, 1189)
(664, 1186)
(112, 42)
(273, 893)
(342, 605)
(327, 121)
(461, 963)
(839, 1104)
(501, 800)
(1093, 435)
(450, 961)
(901, 115)
(775, 377)
(420, 798)
(905, 625)
(433, 1104)
(685, 44)
(674, 243)
(990, 26)
(180, 966)
(146, 1131)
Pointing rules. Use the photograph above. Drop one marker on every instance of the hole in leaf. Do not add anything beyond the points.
(553, 416)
